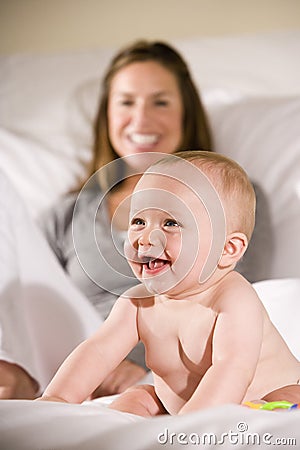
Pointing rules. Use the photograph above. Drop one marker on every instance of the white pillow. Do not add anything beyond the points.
(230, 68)
(281, 299)
(45, 140)
(263, 136)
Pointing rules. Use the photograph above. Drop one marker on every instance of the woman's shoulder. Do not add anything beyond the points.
(85, 197)
(62, 212)
(262, 201)
(81, 200)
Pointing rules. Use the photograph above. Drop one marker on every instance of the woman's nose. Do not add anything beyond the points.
(141, 115)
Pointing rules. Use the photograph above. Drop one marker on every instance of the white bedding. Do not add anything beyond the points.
(250, 86)
(40, 426)
(55, 426)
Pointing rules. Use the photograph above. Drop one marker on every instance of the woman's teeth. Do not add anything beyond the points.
(144, 139)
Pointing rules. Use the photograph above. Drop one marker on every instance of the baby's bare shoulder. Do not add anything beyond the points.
(235, 290)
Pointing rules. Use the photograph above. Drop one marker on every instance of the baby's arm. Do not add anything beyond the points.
(88, 365)
(236, 348)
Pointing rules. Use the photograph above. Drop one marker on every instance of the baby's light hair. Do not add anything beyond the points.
(232, 184)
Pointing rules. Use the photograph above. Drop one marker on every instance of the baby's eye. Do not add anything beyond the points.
(171, 223)
(137, 221)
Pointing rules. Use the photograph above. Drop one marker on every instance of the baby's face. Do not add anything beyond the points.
(169, 235)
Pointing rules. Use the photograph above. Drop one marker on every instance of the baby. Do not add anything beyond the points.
(208, 339)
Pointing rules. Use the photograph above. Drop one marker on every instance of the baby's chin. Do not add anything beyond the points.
(164, 283)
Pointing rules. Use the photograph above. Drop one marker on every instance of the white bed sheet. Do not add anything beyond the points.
(26, 425)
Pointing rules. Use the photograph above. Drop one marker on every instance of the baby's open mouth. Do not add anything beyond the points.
(154, 266)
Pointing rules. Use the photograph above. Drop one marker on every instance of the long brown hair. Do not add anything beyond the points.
(196, 132)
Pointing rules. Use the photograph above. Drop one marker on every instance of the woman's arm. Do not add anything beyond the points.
(55, 224)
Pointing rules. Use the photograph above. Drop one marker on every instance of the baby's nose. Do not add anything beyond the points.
(152, 243)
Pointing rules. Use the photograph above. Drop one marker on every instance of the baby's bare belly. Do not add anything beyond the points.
(178, 367)
(176, 379)
(174, 394)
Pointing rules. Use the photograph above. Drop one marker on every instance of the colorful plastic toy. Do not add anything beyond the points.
(270, 406)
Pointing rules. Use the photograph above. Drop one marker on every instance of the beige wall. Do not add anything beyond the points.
(51, 25)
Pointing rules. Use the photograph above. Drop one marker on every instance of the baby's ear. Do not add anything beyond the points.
(235, 246)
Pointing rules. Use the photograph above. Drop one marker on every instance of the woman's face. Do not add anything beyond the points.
(145, 110)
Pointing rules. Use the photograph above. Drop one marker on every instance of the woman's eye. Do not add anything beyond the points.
(161, 103)
(126, 102)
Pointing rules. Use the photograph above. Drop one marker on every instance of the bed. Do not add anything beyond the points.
(250, 87)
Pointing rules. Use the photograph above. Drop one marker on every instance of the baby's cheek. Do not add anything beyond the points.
(181, 249)
(131, 255)
(130, 252)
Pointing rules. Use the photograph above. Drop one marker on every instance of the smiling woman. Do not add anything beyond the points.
(149, 79)
(145, 110)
